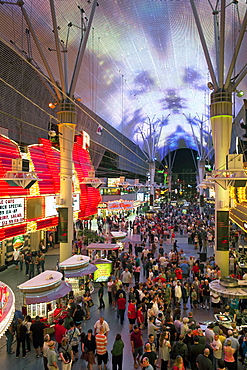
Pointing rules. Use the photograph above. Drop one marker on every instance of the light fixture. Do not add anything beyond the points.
(210, 86)
(52, 105)
(239, 93)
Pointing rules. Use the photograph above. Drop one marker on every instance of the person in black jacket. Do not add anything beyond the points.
(78, 316)
(194, 351)
(21, 338)
(88, 347)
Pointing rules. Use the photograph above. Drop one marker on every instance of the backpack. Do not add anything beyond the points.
(66, 355)
(179, 349)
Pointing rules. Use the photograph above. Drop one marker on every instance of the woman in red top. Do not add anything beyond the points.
(132, 314)
(179, 364)
(178, 273)
(195, 270)
(121, 303)
(140, 317)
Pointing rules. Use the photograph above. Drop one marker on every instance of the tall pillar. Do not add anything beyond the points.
(221, 122)
(152, 174)
(201, 171)
(67, 117)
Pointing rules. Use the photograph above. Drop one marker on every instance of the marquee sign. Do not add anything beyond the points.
(11, 211)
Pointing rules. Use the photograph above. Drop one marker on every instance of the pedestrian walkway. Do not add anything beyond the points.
(13, 278)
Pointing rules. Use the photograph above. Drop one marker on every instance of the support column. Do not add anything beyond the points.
(152, 174)
(201, 172)
(221, 121)
(67, 117)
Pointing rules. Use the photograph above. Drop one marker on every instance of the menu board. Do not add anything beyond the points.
(11, 211)
(222, 231)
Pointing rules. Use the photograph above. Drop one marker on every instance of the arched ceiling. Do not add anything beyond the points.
(144, 64)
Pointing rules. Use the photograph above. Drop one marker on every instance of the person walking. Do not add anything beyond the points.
(28, 322)
(21, 338)
(52, 356)
(164, 350)
(229, 355)
(37, 336)
(203, 362)
(101, 296)
(42, 261)
(88, 347)
(117, 353)
(45, 350)
(73, 337)
(101, 348)
(98, 324)
(137, 345)
(60, 332)
(10, 333)
(121, 303)
(66, 354)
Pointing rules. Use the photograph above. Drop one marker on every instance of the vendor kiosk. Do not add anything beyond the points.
(43, 296)
(101, 250)
(76, 270)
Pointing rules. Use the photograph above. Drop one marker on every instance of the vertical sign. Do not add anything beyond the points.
(63, 225)
(222, 231)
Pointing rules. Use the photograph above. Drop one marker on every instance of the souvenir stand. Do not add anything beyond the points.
(76, 270)
(44, 296)
(230, 288)
(7, 307)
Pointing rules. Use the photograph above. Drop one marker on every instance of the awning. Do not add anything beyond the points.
(102, 246)
(59, 292)
(82, 272)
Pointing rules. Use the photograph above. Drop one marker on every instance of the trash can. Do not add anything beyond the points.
(203, 256)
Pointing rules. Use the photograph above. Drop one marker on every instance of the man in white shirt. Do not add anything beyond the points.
(16, 255)
(216, 346)
(104, 324)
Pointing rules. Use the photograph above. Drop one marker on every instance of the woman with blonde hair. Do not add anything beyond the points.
(164, 349)
(228, 355)
(47, 339)
(179, 363)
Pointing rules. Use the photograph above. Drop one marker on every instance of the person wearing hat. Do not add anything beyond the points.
(52, 356)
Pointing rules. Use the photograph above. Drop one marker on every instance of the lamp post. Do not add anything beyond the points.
(67, 116)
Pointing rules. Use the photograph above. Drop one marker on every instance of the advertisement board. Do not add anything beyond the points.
(103, 272)
(11, 211)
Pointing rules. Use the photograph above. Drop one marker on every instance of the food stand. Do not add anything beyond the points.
(7, 307)
(43, 296)
(229, 288)
(75, 270)
(102, 249)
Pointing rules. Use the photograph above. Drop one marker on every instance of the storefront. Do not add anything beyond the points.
(45, 296)
(77, 270)
(29, 208)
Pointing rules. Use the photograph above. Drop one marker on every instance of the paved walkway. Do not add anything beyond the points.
(13, 278)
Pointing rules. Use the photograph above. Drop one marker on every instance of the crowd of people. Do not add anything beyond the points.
(157, 288)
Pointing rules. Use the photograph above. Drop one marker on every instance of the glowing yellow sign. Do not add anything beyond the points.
(103, 272)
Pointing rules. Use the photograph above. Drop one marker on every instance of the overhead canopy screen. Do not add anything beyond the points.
(144, 63)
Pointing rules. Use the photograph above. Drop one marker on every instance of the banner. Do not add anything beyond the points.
(63, 225)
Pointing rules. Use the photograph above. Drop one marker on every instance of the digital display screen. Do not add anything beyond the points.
(143, 65)
(222, 231)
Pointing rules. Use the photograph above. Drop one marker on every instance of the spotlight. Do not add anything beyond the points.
(239, 93)
(52, 105)
(210, 86)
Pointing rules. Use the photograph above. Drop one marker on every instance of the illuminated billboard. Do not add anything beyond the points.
(103, 272)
